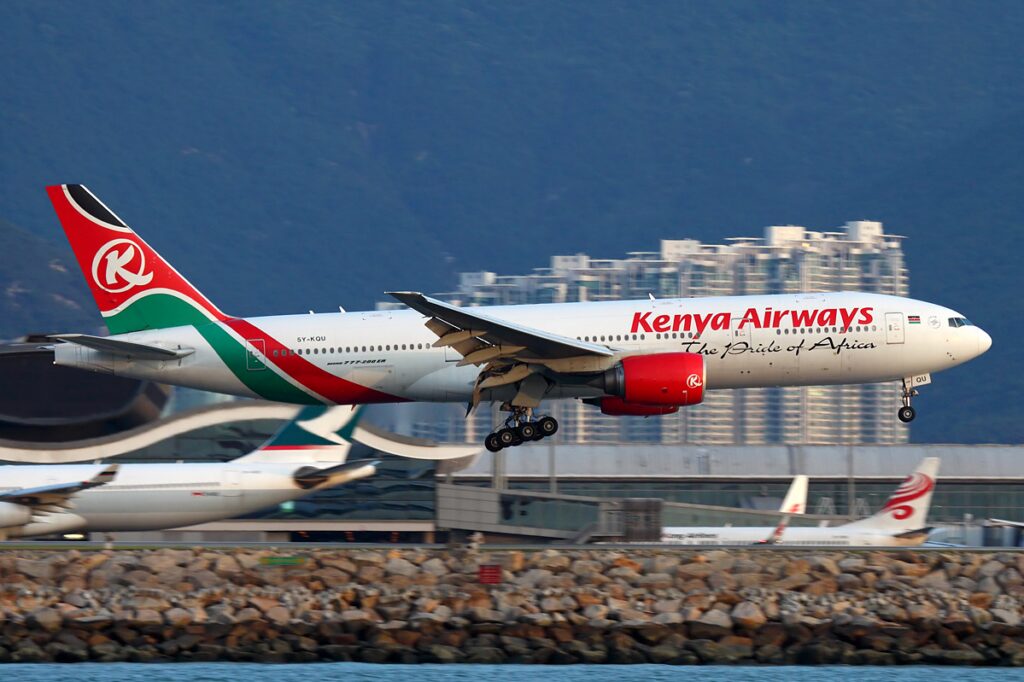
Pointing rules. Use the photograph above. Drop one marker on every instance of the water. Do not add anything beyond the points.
(349, 672)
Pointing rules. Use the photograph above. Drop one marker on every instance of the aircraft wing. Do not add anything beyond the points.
(1004, 522)
(138, 351)
(56, 494)
(481, 338)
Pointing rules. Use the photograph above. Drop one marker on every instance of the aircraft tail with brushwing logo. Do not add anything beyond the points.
(133, 286)
(907, 508)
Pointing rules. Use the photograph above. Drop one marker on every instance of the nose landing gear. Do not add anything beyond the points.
(521, 427)
(907, 413)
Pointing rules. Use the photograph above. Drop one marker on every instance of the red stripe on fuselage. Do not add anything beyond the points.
(321, 382)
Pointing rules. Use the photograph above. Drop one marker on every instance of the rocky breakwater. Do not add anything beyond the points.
(582, 606)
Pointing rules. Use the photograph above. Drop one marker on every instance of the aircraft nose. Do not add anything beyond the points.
(984, 340)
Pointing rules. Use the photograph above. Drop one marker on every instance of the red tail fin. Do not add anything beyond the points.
(133, 286)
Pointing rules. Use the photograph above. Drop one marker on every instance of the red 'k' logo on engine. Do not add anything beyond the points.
(916, 486)
(120, 265)
(694, 381)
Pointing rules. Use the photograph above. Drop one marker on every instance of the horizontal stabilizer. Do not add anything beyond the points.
(917, 532)
(129, 349)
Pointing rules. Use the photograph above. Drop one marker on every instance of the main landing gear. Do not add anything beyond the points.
(906, 413)
(521, 428)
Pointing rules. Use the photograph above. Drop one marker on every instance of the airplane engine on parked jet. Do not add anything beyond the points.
(14, 515)
(649, 381)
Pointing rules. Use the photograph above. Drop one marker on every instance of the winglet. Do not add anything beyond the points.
(102, 478)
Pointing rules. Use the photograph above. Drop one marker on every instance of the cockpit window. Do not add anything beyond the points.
(960, 322)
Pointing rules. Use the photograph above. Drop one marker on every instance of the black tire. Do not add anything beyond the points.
(492, 443)
(526, 431)
(547, 426)
(506, 438)
(906, 414)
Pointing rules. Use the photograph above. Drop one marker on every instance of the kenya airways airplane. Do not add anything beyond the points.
(625, 357)
(901, 522)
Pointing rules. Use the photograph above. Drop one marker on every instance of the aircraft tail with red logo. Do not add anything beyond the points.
(795, 501)
(907, 508)
(134, 287)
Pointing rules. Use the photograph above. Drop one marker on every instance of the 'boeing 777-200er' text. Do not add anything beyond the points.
(646, 357)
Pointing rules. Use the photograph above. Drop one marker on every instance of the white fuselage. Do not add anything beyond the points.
(747, 341)
(156, 496)
(839, 536)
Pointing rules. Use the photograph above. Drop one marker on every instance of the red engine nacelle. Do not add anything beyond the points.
(662, 379)
(618, 407)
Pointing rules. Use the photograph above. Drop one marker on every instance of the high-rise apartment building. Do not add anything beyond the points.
(788, 259)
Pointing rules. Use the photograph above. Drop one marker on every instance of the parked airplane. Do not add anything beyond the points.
(646, 357)
(307, 454)
(899, 523)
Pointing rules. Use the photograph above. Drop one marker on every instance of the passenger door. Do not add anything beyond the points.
(894, 327)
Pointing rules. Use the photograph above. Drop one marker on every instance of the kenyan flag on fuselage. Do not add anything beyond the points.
(136, 289)
(914, 319)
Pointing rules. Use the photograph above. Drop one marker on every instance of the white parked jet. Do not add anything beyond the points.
(307, 454)
(901, 522)
(647, 357)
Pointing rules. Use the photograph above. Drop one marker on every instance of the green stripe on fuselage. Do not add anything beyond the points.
(159, 311)
(264, 382)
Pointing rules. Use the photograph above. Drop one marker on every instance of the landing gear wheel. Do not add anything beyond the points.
(526, 431)
(907, 413)
(492, 443)
(506, 438)
(547, 426)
